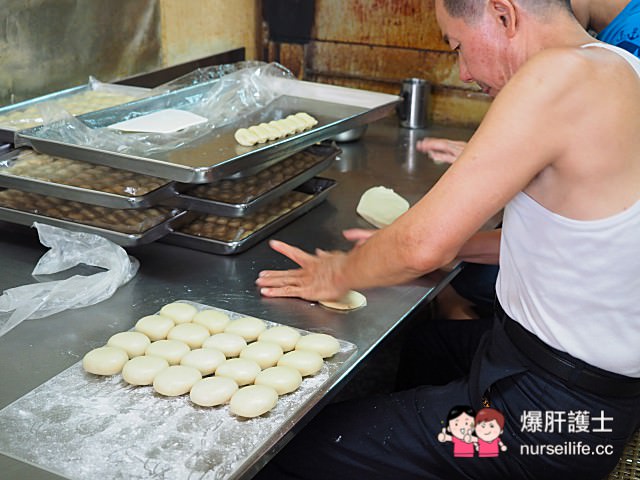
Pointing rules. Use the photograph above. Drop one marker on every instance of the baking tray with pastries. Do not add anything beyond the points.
(238, 197)
(127, 227)
(229, 235)
(28, 170)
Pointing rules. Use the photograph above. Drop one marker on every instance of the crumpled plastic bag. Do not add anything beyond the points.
(68, 249)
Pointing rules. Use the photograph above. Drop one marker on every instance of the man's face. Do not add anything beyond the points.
(481, 47)
(488, 431)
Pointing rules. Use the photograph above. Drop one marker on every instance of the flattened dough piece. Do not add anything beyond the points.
(228, 343)
(321, 343)
(190, 333)
(171, 350)
(204, 359)
(156, 327)
(134, 343)
(253, 401)
(246, 137)
(265, 354)
(213, 391)
(176, 380)
(214, 320)
(242, 370)
(143, 370)
(306, 362)
(380, 206)
(283, 379)
(283, 335)
(179, 312)
(105, 360)
(248, 328)
(350, 301)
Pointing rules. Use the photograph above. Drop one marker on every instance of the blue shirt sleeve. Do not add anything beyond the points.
(624, 30)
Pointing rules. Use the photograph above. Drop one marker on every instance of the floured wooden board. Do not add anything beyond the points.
(82, 426)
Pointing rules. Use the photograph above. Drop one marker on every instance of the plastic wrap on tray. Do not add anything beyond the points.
(97, 96)
(125, 221)
(230, 229)
(31, 164)
(246, 189)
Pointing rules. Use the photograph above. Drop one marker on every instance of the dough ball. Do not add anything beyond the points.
(306, 362)
(245, 137)
(253, 401)
(350, 301)
(242, 370)
(283, 335)
(190, 333)
(143, 370)
(204, 359)
(171, 350)
(282, 379)
(228, 343)
(380, 206)
(213, 391)
(248, 328)
(265, 354)
(214, 320)
(321, 343)
(105, 360)
(156, 327)
(179, 312)
(134, 343)
(176, 380)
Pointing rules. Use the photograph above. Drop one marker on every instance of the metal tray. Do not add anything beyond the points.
(217, 155)
(318, 187)
(7, 133)
(325, 153)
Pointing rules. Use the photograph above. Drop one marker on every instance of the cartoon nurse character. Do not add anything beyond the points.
(489, 427)
(458, 430)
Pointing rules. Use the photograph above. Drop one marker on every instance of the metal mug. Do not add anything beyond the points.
(413, 110)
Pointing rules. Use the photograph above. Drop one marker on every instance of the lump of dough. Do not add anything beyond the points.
(253, 401)
(246, 137)
(134, 343)
(265, 354)
(204, 359)
(190, 333)
(143, 370)
(282, 379)
(213, 391)
(214, 320)
(171, 350)
(179, 312)
(321, 343)
(283, 335)
(156, 327)
(380, 206)
(176, 380)
(350, 301)
(228, 343)
(242, 370)
(105, 360)
(306, 362)
(248, 328)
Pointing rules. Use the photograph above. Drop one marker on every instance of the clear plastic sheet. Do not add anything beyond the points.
(67, 250)
(83, 426)
(231, 96)
(96, 96)
(30, 164)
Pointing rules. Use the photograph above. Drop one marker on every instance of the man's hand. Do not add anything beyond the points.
(441, 150)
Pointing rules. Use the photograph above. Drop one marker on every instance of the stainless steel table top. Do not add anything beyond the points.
(37, 350)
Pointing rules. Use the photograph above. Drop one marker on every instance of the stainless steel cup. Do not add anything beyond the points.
(413, 110)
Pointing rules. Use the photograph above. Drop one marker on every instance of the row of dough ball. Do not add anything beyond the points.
(173, 368)
(275, 129)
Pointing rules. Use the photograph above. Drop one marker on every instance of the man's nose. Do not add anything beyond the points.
(465, 76)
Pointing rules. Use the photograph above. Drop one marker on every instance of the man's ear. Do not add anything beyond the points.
(506, 14)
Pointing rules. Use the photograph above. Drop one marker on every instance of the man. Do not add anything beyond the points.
(565, 347)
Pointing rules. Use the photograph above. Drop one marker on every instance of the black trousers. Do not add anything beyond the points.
(551, 429)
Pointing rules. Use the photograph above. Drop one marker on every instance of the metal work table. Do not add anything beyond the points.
(37, 350)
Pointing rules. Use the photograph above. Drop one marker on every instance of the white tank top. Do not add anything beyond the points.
(591, 308)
